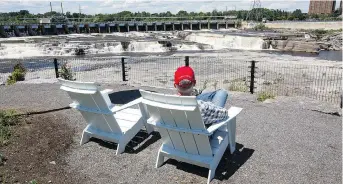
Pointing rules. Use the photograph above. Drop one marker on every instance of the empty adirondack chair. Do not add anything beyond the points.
(185, 137)
(105, 121)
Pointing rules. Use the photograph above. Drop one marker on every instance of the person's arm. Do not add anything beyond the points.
(212, 113)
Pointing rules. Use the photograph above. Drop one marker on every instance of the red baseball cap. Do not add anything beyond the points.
(184, 73)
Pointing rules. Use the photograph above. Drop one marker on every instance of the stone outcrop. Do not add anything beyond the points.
(333, 41)
(305, 44)
(294, 45)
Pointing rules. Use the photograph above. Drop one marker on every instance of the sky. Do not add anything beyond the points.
(152, 6)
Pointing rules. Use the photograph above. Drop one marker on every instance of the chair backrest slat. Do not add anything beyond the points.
(168, 119)
(154, 114)
(87, 95)
(187, 142)
(196, 122)
(182, 122)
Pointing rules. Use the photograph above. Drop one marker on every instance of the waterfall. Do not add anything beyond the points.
(218, 41)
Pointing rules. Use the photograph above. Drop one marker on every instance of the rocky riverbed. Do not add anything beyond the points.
(305, 42)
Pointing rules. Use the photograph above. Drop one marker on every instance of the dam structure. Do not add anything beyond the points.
(17, 30)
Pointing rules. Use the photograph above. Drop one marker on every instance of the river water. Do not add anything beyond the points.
(143, 44)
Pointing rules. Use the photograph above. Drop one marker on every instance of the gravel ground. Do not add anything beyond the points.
(286, 140)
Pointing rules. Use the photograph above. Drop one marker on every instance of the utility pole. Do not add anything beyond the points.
(79, 13)
(50, 8)
(62, 8)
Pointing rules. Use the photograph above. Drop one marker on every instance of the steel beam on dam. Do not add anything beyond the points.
(122, 26)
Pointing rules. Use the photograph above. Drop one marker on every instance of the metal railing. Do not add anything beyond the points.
(317, 81)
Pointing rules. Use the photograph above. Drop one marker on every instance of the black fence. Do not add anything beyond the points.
(317, 81)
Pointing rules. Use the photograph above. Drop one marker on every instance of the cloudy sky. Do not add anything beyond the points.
(155, 6)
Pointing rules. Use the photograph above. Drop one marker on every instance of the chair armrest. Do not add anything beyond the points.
(232, 113)
(214, 127)
(107, 91)
(125, 106)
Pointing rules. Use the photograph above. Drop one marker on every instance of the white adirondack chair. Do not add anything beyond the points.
(105, 121)
(184, 135)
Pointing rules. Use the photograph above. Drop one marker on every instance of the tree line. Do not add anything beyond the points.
(256, 14)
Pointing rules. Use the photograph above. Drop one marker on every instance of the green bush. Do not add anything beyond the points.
(66, 72)
(260, 27)
(264, 96)
(19, 66)
(18, 74)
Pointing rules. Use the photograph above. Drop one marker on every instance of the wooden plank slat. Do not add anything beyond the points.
(203, 145)
(96, 121)
(182, 122)
(168, 119)
(196, 122)
(154, 115)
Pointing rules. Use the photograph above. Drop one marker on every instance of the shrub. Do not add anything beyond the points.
(260, 27)
(264, 96)
(319, 31)
(201, 47)
(238, 86)
(239, 24)
(18, 74)
(66, 72)
(125, 45)
(204, 86)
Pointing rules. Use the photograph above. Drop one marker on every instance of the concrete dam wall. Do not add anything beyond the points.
(57, 29)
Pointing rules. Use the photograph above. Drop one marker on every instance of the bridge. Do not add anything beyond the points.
(15, 30)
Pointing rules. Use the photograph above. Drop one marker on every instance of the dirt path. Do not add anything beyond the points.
(36, 151)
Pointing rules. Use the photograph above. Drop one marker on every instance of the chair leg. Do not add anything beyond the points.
(211, 174)
(120, 148)
(232, 135)
(149, 128)
(160, 160)
(85, 138)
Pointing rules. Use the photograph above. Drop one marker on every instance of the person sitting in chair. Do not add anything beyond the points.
(211, 104)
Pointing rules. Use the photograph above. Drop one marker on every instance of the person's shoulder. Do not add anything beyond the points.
(195, 92)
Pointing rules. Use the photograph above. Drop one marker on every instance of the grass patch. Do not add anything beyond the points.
(8, 118)
(264, 96)
(238, 86)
